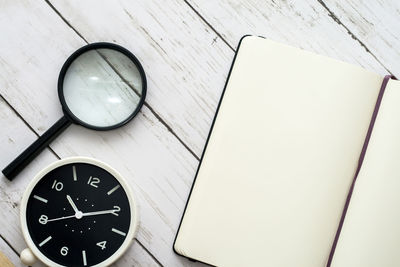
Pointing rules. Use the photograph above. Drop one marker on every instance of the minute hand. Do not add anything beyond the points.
(98, 212)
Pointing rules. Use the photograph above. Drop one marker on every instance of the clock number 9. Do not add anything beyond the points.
(64, 251)
(57, 185)
(43, 219)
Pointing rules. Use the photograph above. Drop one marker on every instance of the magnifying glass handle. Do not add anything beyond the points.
(29, 154)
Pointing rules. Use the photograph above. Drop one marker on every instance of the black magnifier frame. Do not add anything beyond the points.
(18, 164)
(79, 52)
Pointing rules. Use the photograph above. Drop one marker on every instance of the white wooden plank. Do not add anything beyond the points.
(33, 52)
(185, 67)
(375, 24)
(315, 30)
(336, 43)
(304, 24)
(159, 168)
(15, 136)
(9, 253)
(178, 52)
(136, 256)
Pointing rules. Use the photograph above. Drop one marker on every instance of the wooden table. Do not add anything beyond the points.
(186, 48)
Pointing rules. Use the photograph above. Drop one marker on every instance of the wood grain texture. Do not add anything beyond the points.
(8, 258)
(159, 168)
(304, 24)
(375, 24)
(186, 63)
(15, 136)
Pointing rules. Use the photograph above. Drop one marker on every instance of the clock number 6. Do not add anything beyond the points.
(43, 219)
(64, 251)
(57, 185)
(93, 181)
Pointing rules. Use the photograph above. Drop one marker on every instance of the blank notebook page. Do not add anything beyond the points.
(280, 159)
(370, 236)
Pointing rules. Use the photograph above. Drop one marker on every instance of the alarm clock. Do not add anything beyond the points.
(77, 212)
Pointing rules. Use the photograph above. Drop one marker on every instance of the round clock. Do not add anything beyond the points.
(77, 212)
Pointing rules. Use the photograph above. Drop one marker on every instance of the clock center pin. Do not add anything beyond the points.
(78, 214)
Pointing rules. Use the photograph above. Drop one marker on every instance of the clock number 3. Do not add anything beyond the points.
(93, 181)
(102, 244)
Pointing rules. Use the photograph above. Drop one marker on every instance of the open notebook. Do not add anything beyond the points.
(280, 161)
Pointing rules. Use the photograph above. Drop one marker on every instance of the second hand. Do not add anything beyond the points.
(61, 218)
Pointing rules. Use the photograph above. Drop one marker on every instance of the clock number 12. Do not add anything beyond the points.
(93, 181)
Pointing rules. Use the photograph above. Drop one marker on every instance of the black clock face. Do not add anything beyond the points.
(78, 215)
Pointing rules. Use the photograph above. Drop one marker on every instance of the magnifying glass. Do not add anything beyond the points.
(101, 86)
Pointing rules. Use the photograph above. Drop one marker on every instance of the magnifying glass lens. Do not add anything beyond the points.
(102, 88)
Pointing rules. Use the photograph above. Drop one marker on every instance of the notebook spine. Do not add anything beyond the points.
(360, 161)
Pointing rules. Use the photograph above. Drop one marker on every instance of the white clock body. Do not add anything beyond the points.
(28, 255)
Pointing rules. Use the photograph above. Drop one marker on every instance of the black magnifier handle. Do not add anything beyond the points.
(30, 153)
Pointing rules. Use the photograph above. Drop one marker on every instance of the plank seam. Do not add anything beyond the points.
(169, 129)
(209, 25)
(352, 35)
(55, 154)
(140, 244)
(151, 255)
(8, 244)
(26, 123)
(159, 118)
(65, 21)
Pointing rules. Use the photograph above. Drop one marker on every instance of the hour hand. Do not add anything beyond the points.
(71, 202)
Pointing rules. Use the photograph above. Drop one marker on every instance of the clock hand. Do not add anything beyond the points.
(84, 214)
(71, 202)
(61, 218)
(99, 212)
